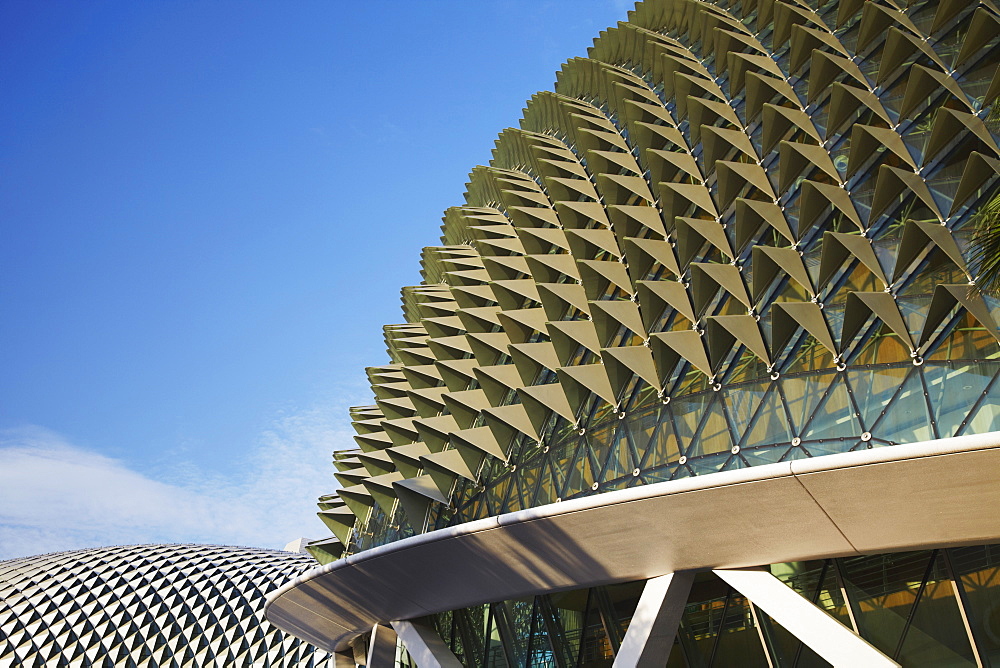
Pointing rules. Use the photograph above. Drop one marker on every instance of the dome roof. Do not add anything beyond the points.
(736, 233)
(148, 605)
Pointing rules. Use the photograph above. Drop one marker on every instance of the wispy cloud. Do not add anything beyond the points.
(57, 496)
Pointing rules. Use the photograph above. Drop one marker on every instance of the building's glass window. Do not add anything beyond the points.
(927, 608)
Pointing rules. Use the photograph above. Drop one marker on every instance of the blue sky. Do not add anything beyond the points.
(207, 211)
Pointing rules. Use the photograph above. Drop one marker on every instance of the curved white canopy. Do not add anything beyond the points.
(932, 494)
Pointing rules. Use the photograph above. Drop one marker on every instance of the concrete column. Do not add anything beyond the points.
(819, 631)
(382, 648)
(651, 632)
(425, 645)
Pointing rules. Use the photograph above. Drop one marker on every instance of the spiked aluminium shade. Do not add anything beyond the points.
(734, 234)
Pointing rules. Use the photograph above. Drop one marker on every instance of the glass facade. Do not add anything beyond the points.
(796, 416)
(928, 608)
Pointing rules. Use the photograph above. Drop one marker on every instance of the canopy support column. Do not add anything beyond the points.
(651, 632)
(425, 645)
(344, 660)
(819, 631)
(382, 649)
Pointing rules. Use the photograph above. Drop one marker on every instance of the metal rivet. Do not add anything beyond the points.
(635, 473)
(735, 450)
(545, 449)
(513, 467)
(621, 416)
(581, 431)
(717, 387)
(867, 436)
(594, 486)
(918, 361)
(682, 461)
(841, 367)
(796, 441)
(775, 375)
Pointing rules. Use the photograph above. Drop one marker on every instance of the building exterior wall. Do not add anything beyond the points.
(737, 233)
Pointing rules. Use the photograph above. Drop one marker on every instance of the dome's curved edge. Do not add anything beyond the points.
(906, 497)
(132, 546)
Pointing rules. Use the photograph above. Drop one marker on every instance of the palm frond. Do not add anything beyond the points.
(985, 259)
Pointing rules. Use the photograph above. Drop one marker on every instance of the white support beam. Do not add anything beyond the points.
(344, 660)
(382, 649)
(819, 631)
(651, 632)
(425, 645)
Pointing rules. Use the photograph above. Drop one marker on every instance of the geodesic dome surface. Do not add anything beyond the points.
(148, 605)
